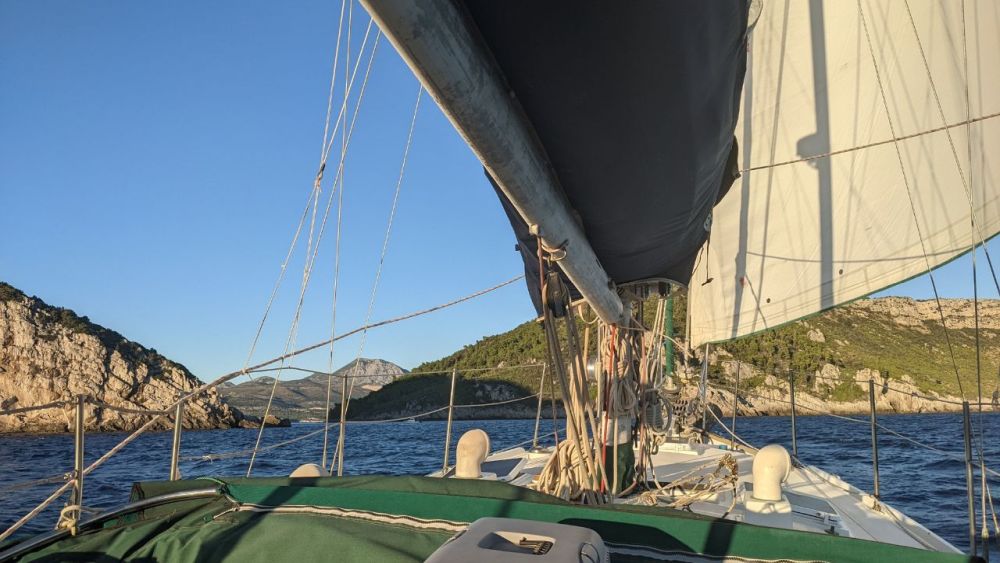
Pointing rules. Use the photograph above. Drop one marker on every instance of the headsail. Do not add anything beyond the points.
(868, 134)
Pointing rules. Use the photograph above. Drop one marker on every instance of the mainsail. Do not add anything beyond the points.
(866, 133)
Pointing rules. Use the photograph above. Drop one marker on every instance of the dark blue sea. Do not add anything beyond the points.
(927, 485)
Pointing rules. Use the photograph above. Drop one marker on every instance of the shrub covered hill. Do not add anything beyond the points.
(899, 342)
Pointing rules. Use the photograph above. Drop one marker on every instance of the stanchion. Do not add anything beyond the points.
(175, 451)
(703, 391)
(736, 403)
(969, 486)
(538, 411)
(791, 388)
(871, 404)
(77, 497)
(451, 411)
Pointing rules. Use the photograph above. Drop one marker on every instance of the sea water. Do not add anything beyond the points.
(925, 484)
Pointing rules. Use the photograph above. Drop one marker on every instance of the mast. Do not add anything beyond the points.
(435, 40)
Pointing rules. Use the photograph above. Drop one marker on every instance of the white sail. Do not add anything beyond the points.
(853, 179)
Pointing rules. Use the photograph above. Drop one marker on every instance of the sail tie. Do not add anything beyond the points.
(69, 517)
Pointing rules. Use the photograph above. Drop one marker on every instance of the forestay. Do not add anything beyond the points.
(866, 130)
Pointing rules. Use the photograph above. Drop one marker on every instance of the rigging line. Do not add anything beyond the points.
(894, 139)
(953, 455)
(295, 238)
(354, 73)
(937, 99)
(339, 177)
(20, 410)
(906, 184)
(984, 487)
(346, 400)
(252, 451)
(496, 403)
(336, 260)
(391, 373)
(967, 188)
(34, 483)
(336, 252)
(333, 79)
(233, 374)
(965, 185)
(311, 257)
(239, 453)
(277, 283)
(35, 511)
(884, 385)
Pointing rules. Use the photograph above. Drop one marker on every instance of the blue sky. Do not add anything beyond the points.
(155, 158)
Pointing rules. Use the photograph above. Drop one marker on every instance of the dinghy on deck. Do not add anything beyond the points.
(407, 519)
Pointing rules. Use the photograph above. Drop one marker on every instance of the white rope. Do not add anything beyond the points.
(392, 373)
(36, 511)
(69, 517)
(909, 196)
(622, 398)
(345, 401)
(333, 80)
(311, 254)
(21, 410)
(565, 475)
(695, 485)
(336, 259)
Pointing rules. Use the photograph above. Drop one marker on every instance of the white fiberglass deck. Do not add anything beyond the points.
(820, 502)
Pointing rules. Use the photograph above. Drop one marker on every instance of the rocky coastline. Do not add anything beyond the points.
(51, 355)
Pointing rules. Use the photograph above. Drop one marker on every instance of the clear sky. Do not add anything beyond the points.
(155, 158)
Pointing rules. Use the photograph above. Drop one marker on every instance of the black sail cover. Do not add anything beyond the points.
(634, 104)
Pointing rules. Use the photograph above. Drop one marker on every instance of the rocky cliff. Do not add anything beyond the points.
(771, 395)
(50, 354)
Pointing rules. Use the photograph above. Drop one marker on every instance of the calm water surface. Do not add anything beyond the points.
(928, 486)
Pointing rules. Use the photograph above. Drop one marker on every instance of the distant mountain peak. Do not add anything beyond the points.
(307, 397)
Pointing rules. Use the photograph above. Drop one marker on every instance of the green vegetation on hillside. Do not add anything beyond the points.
(424, 392)
(849, 338)
(857, 338)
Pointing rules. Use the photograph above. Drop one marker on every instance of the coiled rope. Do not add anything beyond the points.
(565, 475)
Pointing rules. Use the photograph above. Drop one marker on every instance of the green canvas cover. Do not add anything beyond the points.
(407, 518)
